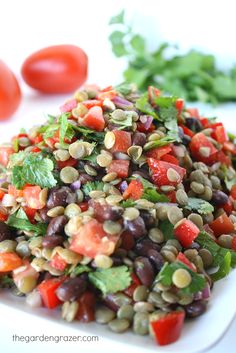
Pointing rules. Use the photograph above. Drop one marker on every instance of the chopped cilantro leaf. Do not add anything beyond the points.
(199, 205)
(144, 106)
(167, 229)
(111, 280)
(224, 268)
(25, 225)
(92, 185)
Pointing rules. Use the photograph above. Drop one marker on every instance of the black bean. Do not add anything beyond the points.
(117, 261)
(195, 309)
(71, 289)
(58, 196)
(43, 215)
(194, 245)
(143, 246)
(186, 140)
(56, 225)
(193, 124)
(180, 132)
(136, 227)
(50, 242)
(144, 270)
(84, 178)
(106, 212)
(5, 231)
(139, 139)
(116, 300)
(149, 220)
(156, 259)
(219, 198)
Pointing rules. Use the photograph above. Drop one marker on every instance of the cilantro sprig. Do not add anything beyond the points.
(199, 205)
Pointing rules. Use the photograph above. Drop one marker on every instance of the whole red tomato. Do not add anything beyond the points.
(56, 69)
(10, 93)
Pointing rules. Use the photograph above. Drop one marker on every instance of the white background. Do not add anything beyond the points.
(26, 26)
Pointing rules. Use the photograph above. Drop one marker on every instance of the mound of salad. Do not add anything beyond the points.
(120, 210)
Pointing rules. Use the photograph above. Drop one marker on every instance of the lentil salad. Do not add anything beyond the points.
(121, 210)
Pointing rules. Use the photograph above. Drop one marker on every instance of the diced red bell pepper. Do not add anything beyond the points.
(229, 147)
(94, 119)
(171, 196)
(193, 112)
(134, 190)
(3, 217)
(47, 290)
(9, 261)
(153, 92)
(35, 150)
(71, 162)
(205, 122)
(200, 140)
(30, 212)
(122, 141)
(12, 190)
(179, 105)
(92, 103)
(222, 225)
(170, 159)
(182, 258)
(5, 153)
(228, 206)
(159, 172)
(222, 158)
(2, 193)
(233, 192)
(109, 94)
(134, 284)
(120, 167)
(233, 245)
(37, 139)
(187, 131)
(219, 133)
(186, 231)
(86, 310)
(58, 262)
(91, 240)
(158, 152)
(84, 206)
(31, 195)
(68, 106)
(168, 329)
(141, 127)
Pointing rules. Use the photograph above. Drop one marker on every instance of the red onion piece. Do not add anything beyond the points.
(146, 120)
(122, 103)
(123, 186)
(206, 292)
(197, 296)
(75, 185)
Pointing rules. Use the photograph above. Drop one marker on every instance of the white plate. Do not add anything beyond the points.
(198, 335)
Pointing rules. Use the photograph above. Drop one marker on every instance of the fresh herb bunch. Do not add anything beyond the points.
(193, 76)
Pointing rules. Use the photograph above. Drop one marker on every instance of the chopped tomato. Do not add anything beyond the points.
(3, 216)
(172, 196)
(122, 141)
(219, 133)
(58, 262)
(2, 193)
(68, 106)
(182, 258)
(159, 172)
(9, 261)
(92, 103)
(71, 162)
(229, 147)
(158, 152)
(31, 195)
(200, 140)
(86, 310)
(37, 139)
(187, 131)
(30, 212)
(47, 290)
(193, 112)
(35, 149)
(134, 284)
(141, 127)
(5, 153)
(205, 122)
(92, 240)
(153, 92)
(233, 192)
(25, 270)
(186, 231)
(170, 159)
(120, 167)
(109, 94)
(94, 119)
(222, 158)
(168, 329)
(179, 105)
(222, 225)
(134, 190)
(233, 245)
(83, 206)
(12, 190)
(228, 206)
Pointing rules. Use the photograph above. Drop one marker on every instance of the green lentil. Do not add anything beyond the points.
(156, 299)
(168, 255)
(103, 261)
(109, 140)
(26, 284)
(69, 310)
(181, 278)
(135, 152)
(173, 175)
(56, 211)
(68, 175)
(109, 177)
(143, 307)
(207, 195)
(72, 210)
(96, 194)
(104, 159)
(103, 315)
(111, 227)
(191, 254)
(185, 299)
(119, 325)
(140, 293)
(197, 187)
(174, 214)
(90, 170)
(77, 150)
(141, 324)
(80, 196)
(181, 197)
(156, 235)
(23, 249)
(118, 114)
(61, 155)
(126, 312)
(207, 257)
(130, 213)
(169, 297)
(225, 240)
(175, 243)
(7, 246)
(196, 219)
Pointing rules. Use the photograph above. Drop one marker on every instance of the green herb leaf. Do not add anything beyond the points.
(118, 19)
(126, 123)
(127, 203)
(144, 106)
(17, 158)
(167, 229)
(137, 42)
(92, 185)
(117, 41)
(35, 170)
(76, 271)
(218, 253)
(111, 280)
(150, 193)
(6, 282)
(92, 135)
(166, 140)
(66, 131)
(124, 88)
(199, 205)
(230, 183)
(24, 224)
(224, 268)
(165, 277)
